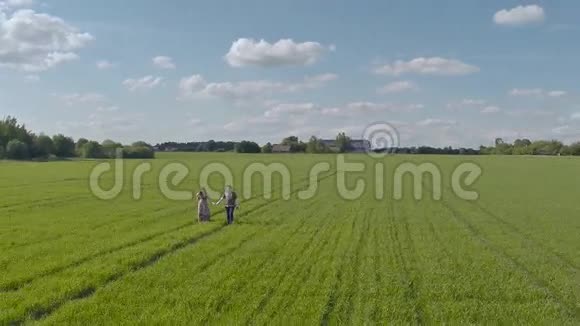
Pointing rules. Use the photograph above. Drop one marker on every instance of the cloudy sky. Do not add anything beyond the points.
(444, 72)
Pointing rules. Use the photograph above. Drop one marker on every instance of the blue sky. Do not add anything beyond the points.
(442, 73)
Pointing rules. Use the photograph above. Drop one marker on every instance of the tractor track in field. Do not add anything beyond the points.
(39, 313)
(361, 244)
(562, 259)
(333, 295)
(44, 312)
(527, 238)
(136, 213)
(536, 280)
(22, 185)
(281, 276)
(96, 227)
(219, 306)
(133, 214)
(377, 263)
(23, 282)
(440, 242)
(296, 268)
(411, 282)
(44, 202)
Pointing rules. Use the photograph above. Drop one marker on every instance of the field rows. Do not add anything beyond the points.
(326, 260)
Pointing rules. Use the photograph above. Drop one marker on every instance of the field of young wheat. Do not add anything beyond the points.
(512, 256)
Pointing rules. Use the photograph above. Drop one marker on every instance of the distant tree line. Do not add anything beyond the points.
(203, 146)
(433, 150)
(527, 147)
(18, 143)
(313, 145)
(342, 143)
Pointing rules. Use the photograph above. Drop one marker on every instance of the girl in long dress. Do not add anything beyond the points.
(202, 206)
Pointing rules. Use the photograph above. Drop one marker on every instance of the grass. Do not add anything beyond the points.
(513, 256)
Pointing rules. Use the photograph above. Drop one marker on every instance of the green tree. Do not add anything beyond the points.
(138, 152)
(10, 129)
(343, 142)
(503, 148)
(79, 145)
(141, 143)
(2, 154)
(316, 145)
(295, 144)
(43, 146)
(522, 143)
(92, 149)
(17, 150)
(247, 147)
(109, 148)
(574, 149)
(63, 146)
(545, 147)
(298, 147)
(290, 140)
(267, 148)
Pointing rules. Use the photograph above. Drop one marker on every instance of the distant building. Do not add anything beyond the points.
(356, 145)
(360, 146)
(330, 144)
(279, 148)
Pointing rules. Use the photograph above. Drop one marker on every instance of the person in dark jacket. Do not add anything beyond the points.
(231, 203)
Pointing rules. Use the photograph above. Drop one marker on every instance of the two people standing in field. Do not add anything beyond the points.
(231, 203)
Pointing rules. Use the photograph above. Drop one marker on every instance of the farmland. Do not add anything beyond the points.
(513, 256)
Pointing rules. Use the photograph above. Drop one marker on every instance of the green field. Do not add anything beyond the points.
(513, 256)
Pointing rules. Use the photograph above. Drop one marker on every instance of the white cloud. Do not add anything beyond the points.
(428, 66)
(110, 108)
(536, 92)
(362, 108)
(290, 108)
(520, 15)
(470, 101)
(557, 93)
(32, 78)
(490, 109)
(82, 98)
(194, 122)
(19, 3)
(31, 41)
(398, 87)
(196, 86)
(436, 122)
(147, 82)
(466, 103)
(104, 64)
(526, 92)
(249, 52)
(163, 62)
(575, 116)
(348, 110)
(561, 129)
(262, 121)
(16, 3)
